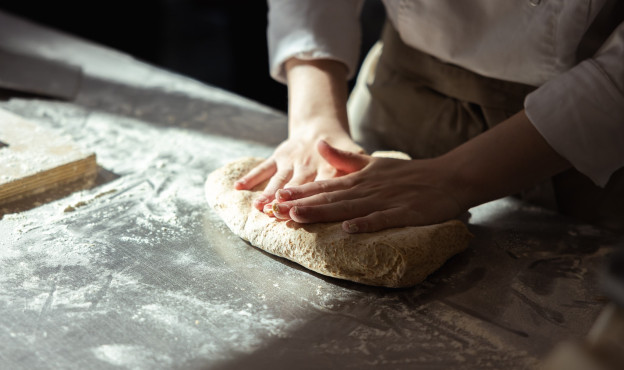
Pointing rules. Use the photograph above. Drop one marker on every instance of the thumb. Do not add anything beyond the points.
(342, 160)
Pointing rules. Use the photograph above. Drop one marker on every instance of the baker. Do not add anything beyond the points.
(490, 98)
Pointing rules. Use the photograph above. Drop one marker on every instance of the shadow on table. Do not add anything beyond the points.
(527, 282)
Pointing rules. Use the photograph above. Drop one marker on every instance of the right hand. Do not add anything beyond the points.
(296, 161)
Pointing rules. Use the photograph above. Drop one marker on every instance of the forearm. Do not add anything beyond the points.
(317, 96)
(502, 161)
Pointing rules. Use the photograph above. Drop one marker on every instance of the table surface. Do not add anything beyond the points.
(138, 272)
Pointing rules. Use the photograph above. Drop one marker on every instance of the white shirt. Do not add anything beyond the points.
(579, 105)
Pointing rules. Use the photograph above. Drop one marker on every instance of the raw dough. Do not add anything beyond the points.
(398, 257)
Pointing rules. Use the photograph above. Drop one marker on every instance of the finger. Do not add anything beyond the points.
(379, 220)
(280, 211)
(340, 159)
(335, 211)
(257, 175)
(299, 178)
(314, 188)
(277, 182)
(328, 173)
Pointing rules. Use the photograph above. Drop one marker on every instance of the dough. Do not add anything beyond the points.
(395, 258)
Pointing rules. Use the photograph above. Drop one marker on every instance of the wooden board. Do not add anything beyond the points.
(34, 160)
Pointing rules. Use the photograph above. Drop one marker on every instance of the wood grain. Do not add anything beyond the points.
(35, 160)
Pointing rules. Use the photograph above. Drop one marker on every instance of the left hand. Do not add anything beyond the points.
(376, 194)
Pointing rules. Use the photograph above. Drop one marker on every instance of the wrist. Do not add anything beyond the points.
(318, 127)
(317, 94)
(312, 132)
(455, 179)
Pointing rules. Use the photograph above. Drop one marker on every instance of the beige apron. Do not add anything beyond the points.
(409, 101)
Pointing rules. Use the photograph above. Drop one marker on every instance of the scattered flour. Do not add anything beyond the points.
(131, 356)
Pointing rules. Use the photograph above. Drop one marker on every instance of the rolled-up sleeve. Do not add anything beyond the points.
(580, 113)
(313, 29)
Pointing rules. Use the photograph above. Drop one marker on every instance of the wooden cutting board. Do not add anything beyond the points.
(34, 160)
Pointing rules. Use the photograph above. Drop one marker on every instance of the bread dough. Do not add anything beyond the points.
(399, 257)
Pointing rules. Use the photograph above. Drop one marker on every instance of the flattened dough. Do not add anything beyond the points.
(395, 258)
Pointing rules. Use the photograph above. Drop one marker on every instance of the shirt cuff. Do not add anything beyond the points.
(581, 115)
(313, 29)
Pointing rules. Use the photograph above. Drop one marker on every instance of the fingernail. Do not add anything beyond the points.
(279, 208)
(268, 209)
(261, 199)
(284, 194)
(350, 227)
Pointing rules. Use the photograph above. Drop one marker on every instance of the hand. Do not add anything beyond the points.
(317, 96)
(295, 162)
(383, 193)
(376, 194)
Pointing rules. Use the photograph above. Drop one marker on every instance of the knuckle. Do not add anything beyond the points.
(385, 218)
(282, 176)
(348, 207)
(271, 187)
(327, 197)
(295, 193)
(305, 214)
(354, 181)
(305, 168)
(323, 186)
(264, 166)
(365, 225)
(350, 181)
(380, 220)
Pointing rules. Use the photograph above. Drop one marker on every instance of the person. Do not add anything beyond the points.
(489, 98)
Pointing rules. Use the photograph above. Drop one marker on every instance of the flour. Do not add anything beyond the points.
(131, 356)
(142, 274)
(79, 255)
(224, 318)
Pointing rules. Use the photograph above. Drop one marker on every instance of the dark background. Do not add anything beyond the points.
(219, 42)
